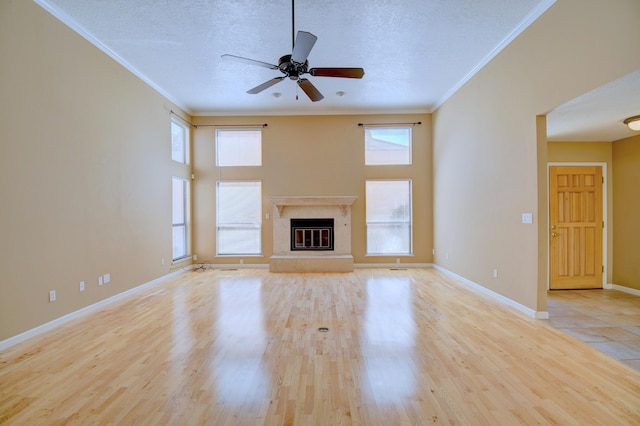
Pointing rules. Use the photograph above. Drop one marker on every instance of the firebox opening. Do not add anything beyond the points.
(311, 234)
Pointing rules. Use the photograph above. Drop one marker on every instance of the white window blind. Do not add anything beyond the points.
(238, 147)
(388, 217)
(239, 217)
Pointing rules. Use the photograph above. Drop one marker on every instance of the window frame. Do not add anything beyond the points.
(185, 217)
(186, 137)
(220, 225)
(409, 223)
(368, 152)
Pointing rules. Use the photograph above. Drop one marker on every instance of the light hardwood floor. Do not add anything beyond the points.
(242, 347)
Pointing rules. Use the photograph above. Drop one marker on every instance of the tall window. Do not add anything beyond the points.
(179, 214)
(239, 217)
(179, 142)
(239, 147)
(387, 145)
(388, 216)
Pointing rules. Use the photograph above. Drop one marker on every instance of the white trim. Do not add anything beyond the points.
(319, 111)
(605, 209)
(623, 289)
(11, 341)
(528, 20)
(231, 265)
(482, 289)
(196, 265)
(84, 33)
(392, 265)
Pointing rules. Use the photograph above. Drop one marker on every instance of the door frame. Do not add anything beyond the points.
(605, 216)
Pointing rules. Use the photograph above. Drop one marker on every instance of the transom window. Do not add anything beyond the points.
(238, 147)
(179, 142)
(387, 145)
(388, 217)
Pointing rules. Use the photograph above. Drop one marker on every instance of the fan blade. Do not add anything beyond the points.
(265, 85)
(311, 91)
(249, 61)
(302, 46)
(337, 72)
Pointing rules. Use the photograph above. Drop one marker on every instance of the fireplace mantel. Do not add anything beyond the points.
(341, 201)
(286, 208)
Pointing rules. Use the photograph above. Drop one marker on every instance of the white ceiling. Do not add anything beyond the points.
(597, 116)
(415, 53)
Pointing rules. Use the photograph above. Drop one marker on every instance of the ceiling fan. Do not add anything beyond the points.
(295, 65)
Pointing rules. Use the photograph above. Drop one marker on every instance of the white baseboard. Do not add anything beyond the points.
(622, 288)
(266, 265)
(11, 341)
(392, 265)
(510, 302)
(231, 265)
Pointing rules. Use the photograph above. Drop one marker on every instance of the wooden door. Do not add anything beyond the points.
(575, 221)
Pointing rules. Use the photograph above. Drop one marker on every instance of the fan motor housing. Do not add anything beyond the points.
(293, 70)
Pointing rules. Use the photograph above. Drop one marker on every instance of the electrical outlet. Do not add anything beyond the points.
(397, 260)
(162, 261)
(446, 256)
(195, 257)
(81, 285)
(107, 278)
(100, 280)
(495, 273)
(242, 261)
(52, 296)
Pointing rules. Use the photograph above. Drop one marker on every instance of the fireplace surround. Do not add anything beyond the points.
(314, 214)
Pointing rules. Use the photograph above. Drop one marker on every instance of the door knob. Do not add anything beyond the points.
(553, 234)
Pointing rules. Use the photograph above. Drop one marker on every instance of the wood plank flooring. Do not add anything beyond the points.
(244, 347)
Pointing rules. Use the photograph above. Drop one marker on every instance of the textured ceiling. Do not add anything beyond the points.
(415, 53)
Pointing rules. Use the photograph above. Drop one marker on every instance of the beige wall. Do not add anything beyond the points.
(591, 152)
(85, 172)
(626, 205)
(487, 153)
(313, 155)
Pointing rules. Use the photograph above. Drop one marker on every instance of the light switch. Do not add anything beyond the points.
(527, 217)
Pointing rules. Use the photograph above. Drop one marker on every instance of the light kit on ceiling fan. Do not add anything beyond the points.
(296, 64)
(633, 123)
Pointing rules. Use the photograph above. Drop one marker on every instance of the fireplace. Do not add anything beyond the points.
(311, 234)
